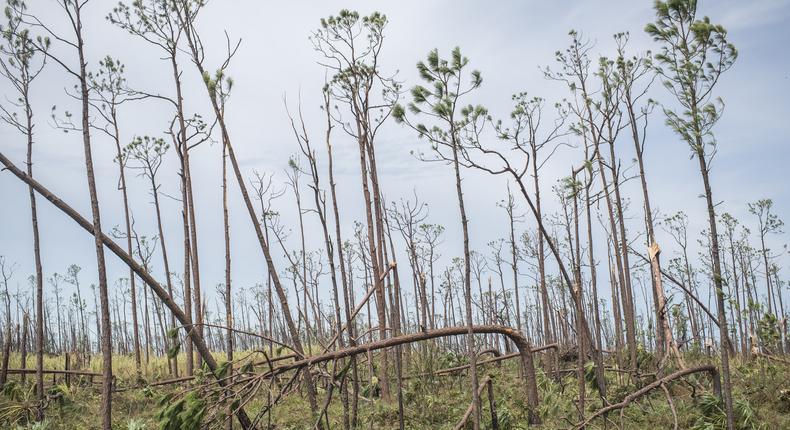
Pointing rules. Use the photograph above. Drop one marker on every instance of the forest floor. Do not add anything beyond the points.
(761, 391)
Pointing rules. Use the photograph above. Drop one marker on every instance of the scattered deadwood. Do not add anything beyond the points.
(771, 357)
(520, 341)
(156, 287)
(461, 424)
(682, 286)
(711, 369)
(359, 307)
(495, 359)
(55, 372)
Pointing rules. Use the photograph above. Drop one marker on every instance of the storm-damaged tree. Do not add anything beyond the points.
(218, 87)
(73, 11)
(155, 22)
(769, 223)
(693, 55)
(598, 123)
(320, 208)
(406, 218)
(509, 205)
(6, 272)
(449, 81)
(526, 130)
(730, 223)
(513, 161)
(632, 75)
(108, 92)
(147, 153)
(20, 64)
(351, 47)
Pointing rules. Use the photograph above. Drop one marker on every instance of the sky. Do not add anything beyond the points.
(508, 41)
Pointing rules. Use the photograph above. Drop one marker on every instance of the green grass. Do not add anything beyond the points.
(761, 390)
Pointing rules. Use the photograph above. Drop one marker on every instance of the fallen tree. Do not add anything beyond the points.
(155, 286)
(711, 369)
(494, 359)
(525, 352)
(462, 423)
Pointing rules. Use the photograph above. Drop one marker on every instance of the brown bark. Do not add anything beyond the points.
(228, 291)
(106, 336)
(652, 386)
(544, 291)
(520, 341)
(653, 249)
(128, 225)
(183, 148)
(139, 270)
(718, 284)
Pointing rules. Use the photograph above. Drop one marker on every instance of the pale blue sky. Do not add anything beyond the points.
(507, 40)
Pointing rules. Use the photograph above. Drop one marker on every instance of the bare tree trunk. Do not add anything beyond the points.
(468, 287)
(320, 206)
(544, 292)
(184, 158)
(23, 347)
(127, 222)
(173, 364)
(514, 256)
(187, 278)
(228, 291)
(717, 282)
(106, 336)
(141, 272)
(39, 271)
(7, 328)
(187, 24)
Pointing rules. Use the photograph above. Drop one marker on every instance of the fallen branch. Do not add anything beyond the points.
(714, 373)
(681, 285)
(520, 341)
(461, 424)
(157, 288)
(494, 359)
(762, 354)
(55, 372)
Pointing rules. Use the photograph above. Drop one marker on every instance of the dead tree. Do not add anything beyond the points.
(320, 209)
(129, 260)
(108, 92)
(351, 46)
(148, 153)
(218, 88)
(155, 22)
(73, 11)
(20, 65)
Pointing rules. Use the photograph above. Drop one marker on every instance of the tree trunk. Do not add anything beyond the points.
(106, 337)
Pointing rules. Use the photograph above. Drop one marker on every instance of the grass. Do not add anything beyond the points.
(761, 391)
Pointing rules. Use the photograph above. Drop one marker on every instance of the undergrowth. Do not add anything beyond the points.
(761, 390)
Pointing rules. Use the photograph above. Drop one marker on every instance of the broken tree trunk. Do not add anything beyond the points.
(158, 289)
(462, 424)
(520, 341)
(711, 369)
